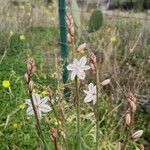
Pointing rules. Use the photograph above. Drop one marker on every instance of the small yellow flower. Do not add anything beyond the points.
(44, 93)
(82, 52)
(108, 30)
(22, 106)
(69, 120)
(113, 40)
(29, 14)
(33, 91)
(22, 37)
(22, 7)
(15, 125)
(54, 75)
(11, 33)
(6, 84)
(53, 19)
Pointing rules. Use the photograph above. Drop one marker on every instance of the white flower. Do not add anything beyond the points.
(40, 105)
(78, 68)
(91, 94)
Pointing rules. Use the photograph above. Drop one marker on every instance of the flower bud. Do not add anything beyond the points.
(93, 58)
(137, 134)
(48, 91)
(31, 86)
(141, 147)
(105, 82)
(128, 119)
(93, 67)
(131, 97)
(26, 77)
(53, 133)
(69, 38)
(132, 106)
(81, 47)
(72, 31)
(30, 66)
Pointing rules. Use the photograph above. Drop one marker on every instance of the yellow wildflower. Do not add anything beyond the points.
(29, 14)
(113, 40)
(82, 52)
(22, 106)
(22, 7)
(15, 125)
(11, 33)
(108, 30)
(69, 120)
(6, 84)
(22, 37)
(44, 93)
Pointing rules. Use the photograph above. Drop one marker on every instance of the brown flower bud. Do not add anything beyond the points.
(30, 66)
(53, 133)
(141, 147)
(92, 58)
(81, 47)
(48, 91)
(69, 38)
(93, 61)
(132, 106)
(105, 82)
(72, 31)
(128, 119)
(31, 86)
(93, 67)
(137, 134)
(131, 97)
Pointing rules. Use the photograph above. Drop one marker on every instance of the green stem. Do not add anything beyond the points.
(97, 109)
(39, 129)
(78, 115)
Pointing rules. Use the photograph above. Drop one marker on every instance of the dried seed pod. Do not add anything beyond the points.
(128, 119)
(53, 133)
(105, 82)
(137, 134)
(81, 47)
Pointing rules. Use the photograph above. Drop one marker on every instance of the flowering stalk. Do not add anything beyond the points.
(132, 104)
(95, 70)
(97, 108)
(78, 114)
(28, 76)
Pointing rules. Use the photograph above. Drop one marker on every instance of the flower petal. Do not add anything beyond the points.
(36, 98)
(91, 86)
(82, 61)
(28, 102)
(30, 110)
(85, 67)
(75, 62)
(81, 75)
(71, 67)
(88, 98)
(73, 74)
(43, 101)
(45, 108)
(86, 92)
